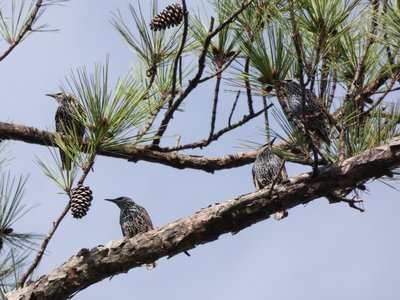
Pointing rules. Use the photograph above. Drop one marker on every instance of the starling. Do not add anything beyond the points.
(172, 15)
(316, 121)
(67, 121)
(266, 169)
(133, 219)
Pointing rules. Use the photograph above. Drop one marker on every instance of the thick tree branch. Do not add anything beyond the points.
(90, 266)
(137, 153)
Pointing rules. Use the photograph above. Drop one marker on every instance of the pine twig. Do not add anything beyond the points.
(221, 70)
(276, 178)
(333, 90)
(334, 198)
(299, 52)
(233, 108)
(214, 109)
(53, 229)
(196, 79)
(266, 119)
(383, 96)
(180, 50)
(24, 30)
(218, 134)
(360, 67)
(248, 87)
(43, 247)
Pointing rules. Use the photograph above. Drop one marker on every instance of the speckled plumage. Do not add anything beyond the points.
(265, 169)
(316, 120)
(133, 219)
(67, 121)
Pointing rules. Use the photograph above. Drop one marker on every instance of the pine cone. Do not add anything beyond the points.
(172, 15)
(81, 198)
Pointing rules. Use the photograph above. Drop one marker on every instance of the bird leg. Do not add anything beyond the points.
(335, 198)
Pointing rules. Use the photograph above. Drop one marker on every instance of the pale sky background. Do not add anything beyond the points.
(320, 251)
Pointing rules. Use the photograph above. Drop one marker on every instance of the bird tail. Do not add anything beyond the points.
(151, 266)
(323, 134)
(280, 215)
(65, 161)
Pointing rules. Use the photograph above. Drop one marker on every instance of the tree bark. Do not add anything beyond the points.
(172, 159)
(90, 266)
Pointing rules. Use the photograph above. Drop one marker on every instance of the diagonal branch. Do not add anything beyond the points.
(358, 77)
(196, 79)
(214, 108)
(53, 229)
(90, 266)
(299, 50)
(219, 133)
(43, 247)
(24, 30)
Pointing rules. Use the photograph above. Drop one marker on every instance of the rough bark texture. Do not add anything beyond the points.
(137, 153)
(90, 266)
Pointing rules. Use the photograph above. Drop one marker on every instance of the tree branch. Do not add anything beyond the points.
(219, 133)
(196, 79)
(43, 247)
(90, 266)
(181, 47)
(358, 77)
(53, 229)
(24, 30)
(136, 153)
(299, 51)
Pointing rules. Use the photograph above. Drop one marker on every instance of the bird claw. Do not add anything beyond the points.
(334, 198)
(281, 215)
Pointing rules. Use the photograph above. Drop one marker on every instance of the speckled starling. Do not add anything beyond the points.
(266, 169)
(133, 219)
(172, 15)
(316, 121)
(67, 121)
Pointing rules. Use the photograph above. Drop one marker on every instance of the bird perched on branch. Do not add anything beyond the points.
(268, 167)
(314, 116)
(133, 219)
(67, 121)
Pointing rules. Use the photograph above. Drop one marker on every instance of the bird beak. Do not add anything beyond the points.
(282, 81)
(111, 200)
(51, 95)
(272, 141)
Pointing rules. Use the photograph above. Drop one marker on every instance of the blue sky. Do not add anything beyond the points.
(320, 251)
